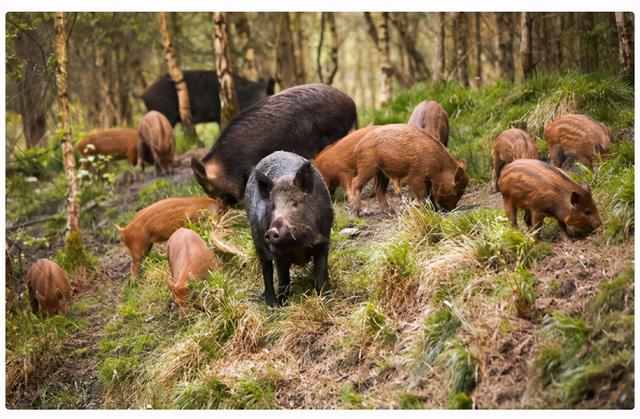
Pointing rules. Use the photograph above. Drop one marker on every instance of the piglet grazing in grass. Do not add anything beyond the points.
(156, 137)
(156, 223)
(542, 190)
(117, 143)
(189, 259)
(290, 213)
(510, 145)
(49, 290)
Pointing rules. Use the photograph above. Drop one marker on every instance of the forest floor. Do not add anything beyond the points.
(321, 365)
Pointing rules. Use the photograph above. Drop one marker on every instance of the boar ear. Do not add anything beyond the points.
(586, 187)
(264, 184)
(459, 176)
(304, 178)
(576, 199)
(462, 163)
(198, 168)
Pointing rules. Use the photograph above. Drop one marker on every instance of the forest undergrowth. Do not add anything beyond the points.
(426, 309)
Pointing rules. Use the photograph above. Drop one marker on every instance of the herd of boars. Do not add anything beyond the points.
(284, 157)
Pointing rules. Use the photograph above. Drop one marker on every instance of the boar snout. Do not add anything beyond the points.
(278, 233)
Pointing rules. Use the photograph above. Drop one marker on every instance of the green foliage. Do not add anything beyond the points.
(252, 393)
(461, 368)
(117, 368)
(75, 254)
(161, 188)
(200, 394)
(581, 354)
(370, 324)
(439, 327)
(399, 262)
(351, 399)
(406, 400)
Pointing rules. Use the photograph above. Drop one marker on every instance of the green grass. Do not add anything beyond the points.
(581, 353)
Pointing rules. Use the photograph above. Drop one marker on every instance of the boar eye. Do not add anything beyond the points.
(294, 204)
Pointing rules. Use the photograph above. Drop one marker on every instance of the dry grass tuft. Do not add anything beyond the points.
(302, 323)
(250, 330)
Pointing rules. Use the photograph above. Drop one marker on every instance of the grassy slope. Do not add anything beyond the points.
(426, 310)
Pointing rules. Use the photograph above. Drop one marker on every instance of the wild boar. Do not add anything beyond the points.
(156, 223)
(336, 162)
(578, 137)
(408, 155)
(290, 213)
(49, 290)
(204, 98)
(302, 119)
(510, 145)
(189, 260)
(542, 190)
(119, 143)
(156, 137)
(431, 117)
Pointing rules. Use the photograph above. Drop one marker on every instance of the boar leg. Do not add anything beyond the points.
(497, 168)
(418, 187)
(33, 300)
(527, 218)
(321, 268)
(365, 173)
(557, 156)
(283, 265)
(536, 219)
(512, 212)
(382, 182)
(267, 275)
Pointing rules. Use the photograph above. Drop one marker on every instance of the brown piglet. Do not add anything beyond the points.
(433, 118)
(49, 290)
(156, 137)
(542, 190)
(156, 223)
(336, 162)
(510, 145)
(189, 259)
(408, 155)
(577, 137)
(119, 143)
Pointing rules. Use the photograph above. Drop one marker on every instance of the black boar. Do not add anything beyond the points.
(204, 99)
(545, 191)
(290, 213)
(302, 119)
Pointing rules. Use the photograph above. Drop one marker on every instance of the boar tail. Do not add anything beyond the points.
(118, 227)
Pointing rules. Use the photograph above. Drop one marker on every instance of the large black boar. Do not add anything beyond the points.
(302, 119)
(203, 90)
(290, 213)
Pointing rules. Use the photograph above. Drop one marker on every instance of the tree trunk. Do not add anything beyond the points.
(462, 34)
(409, 43)
(286, 71)
(478, 50)
(33, 98)
(73, 224)
(624, 22)
(176, 75)
(246, 52)
(440, 51)
(505, 45)
(526, 54)
(299, 48)
(228, 99)
(387, 68)
(330, 18)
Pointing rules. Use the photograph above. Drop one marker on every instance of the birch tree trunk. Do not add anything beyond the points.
(387, 68)
(505, 45)
(184, 105)
(330, 18)
(440, 51)
(624, 22)
(73, 224)
(526, 54)
(462, 32)
(228, 99)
